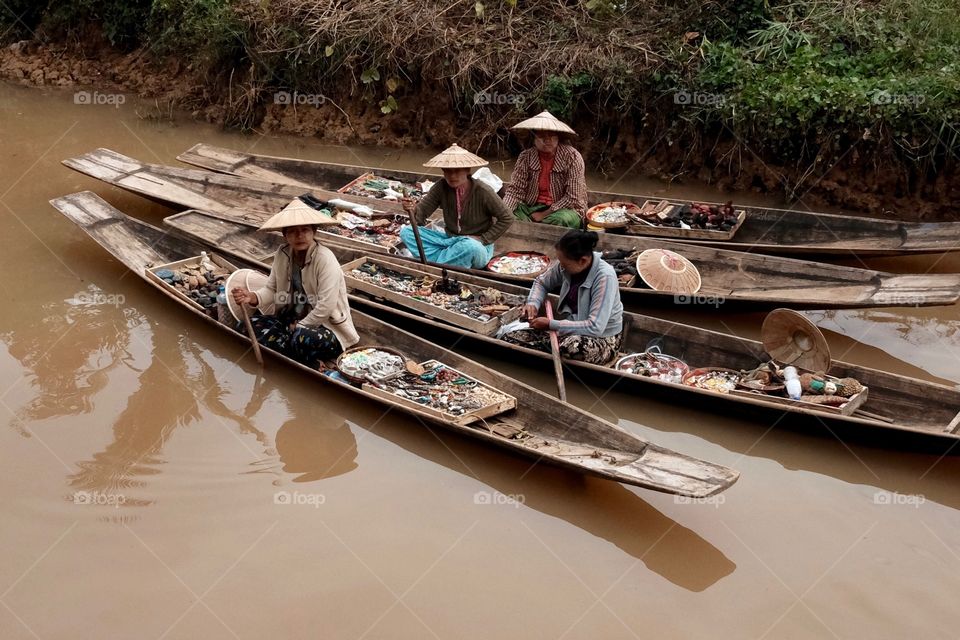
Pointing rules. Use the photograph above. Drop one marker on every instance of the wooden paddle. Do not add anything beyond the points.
(251, 333)
(416, 231)
(557, 365)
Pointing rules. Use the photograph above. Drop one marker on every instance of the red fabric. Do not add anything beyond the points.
(543, 184)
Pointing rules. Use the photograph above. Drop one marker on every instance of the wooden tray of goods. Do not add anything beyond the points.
(222, 268)
(722, 380)
(651, 210)
(499, 313)
(497, 401)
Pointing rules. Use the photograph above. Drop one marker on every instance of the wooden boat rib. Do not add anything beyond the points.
(558, 433)
(728, 276)
(911, 405)
(765, 230)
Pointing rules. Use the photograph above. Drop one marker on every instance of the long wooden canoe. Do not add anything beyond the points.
(554, 432)
(765, 230)
(728, 276)
(894, 402)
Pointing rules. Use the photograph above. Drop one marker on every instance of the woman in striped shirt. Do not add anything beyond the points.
(592, 315)
(548, 183)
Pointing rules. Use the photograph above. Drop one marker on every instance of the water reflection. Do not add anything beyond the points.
(69, 347)
(927, 339)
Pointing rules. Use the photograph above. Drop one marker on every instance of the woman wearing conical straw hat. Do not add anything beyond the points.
(303, 310)
(592, 323)
(473, 215)
(548, 183)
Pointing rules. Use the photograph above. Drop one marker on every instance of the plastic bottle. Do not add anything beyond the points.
(205, 263)
(794, 389)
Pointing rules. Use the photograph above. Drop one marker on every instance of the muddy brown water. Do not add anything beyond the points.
(156, 483)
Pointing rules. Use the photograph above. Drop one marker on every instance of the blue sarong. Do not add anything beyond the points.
(457, 251)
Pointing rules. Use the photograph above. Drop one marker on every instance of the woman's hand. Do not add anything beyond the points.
(529, 312)
(540, 324)
(409, 204)
(242, 296)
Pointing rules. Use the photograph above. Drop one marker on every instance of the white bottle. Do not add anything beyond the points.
(792, 382)
(205, 263)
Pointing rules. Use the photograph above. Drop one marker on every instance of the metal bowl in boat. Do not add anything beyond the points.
(652, 364)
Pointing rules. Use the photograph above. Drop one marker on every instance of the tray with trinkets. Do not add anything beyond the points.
(462, 300)
(444, 392)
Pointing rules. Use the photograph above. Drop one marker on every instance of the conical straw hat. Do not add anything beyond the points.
(544, 121)
(295, 214)
(790, 338)
(664, 270)
(455, 157)
(248, 279)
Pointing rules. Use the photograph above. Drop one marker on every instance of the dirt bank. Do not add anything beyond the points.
(431, 119)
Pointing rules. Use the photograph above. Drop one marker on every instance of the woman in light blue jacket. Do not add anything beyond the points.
(589, 317)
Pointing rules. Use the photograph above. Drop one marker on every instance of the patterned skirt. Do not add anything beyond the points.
(308, 346)
(572, 346)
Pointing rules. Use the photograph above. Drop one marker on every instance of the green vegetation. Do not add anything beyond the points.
(799, 83)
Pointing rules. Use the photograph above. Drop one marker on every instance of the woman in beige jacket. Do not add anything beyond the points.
(303, 308)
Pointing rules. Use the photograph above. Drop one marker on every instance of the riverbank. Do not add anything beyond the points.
(825, 104)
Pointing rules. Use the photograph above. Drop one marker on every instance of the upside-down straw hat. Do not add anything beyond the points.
(455, 157)
(544, 121)
(665, 270)
(295, 214)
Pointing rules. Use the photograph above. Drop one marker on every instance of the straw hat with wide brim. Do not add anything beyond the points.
(455, 157)
(665, 270)
(544, 121)
(248, 279)
(296, 214)
(790, 338)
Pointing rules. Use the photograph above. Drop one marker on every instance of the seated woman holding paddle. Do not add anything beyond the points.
(473, 215)
(589, 295)
(304, 312)
(549, 184)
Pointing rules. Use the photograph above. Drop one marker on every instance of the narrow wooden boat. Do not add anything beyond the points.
(540, 426)
(894, 402)
(727, 276)
(766, 230)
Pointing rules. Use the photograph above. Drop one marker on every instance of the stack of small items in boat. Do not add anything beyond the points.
(787, 337)
(199, 279)
(430, 386)
(370, 185)
(481, 309)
